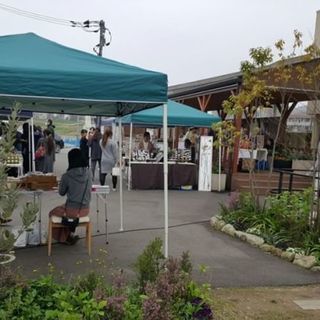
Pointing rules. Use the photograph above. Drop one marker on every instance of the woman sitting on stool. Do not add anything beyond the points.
(76, 183)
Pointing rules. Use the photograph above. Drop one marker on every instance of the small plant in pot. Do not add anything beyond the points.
(218, 181)
(9, 194)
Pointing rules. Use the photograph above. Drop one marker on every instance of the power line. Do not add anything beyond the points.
(40, 17)
(99, 26)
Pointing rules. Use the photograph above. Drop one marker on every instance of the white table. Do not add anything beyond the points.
(257, 154)
(19, 166)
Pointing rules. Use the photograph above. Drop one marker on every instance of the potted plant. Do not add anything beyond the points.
(282, 159)
(218, 182)
(9, 195)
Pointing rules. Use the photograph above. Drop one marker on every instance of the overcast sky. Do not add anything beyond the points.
(187, 39)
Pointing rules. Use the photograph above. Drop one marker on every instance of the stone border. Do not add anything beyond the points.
(307, 262)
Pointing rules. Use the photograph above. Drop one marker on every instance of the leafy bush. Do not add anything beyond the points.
(149, 262)
(9, 193)
(284, 220)
(168, 292)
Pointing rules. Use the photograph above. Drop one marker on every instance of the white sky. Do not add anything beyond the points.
(187, 39)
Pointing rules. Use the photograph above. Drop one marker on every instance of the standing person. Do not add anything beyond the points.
(37, 134)
(25, 147)
(192, 135)
(51, 127)
(109, 157)
(94, 144)
(146, 143)
(84, 148)
(76, 184)
(91, 131)
(46, 162)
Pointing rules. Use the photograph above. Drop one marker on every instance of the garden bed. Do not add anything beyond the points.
(163, 290)
(282, 226)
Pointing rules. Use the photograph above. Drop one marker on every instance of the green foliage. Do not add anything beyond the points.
(170, 293)
(283, 221)
(225, 131)
(89, 283)
(45, 299)
(241, 212)
(149, 263)
(185, 263)
(9, 193)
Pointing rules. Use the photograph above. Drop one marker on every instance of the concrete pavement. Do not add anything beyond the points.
(230, 263)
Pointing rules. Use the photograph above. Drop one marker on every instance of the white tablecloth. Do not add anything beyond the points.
(257, 154)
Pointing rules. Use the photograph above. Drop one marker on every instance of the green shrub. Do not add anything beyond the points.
(283, 221)
(168, 293)
(149, 263)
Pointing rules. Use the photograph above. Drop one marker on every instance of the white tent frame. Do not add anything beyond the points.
(165, 176)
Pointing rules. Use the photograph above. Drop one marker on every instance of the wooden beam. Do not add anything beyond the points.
(203, 101)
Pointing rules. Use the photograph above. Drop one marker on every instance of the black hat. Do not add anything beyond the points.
(75, 159)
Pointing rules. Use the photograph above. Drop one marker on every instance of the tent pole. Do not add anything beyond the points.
(165, 177)
(173, 137)
(120, 177)
(29, 146)
(130, 153)
(33, 163)
(219, 187)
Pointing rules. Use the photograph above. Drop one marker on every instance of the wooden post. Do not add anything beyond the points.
(203, 104)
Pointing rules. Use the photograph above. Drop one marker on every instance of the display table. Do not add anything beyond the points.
(19, 167)
(258, 154)
(149, 175)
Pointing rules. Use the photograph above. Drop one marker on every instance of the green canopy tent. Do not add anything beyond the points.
(47, 77)
(179, 115)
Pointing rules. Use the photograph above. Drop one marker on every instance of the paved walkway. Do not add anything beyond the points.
(230, 263)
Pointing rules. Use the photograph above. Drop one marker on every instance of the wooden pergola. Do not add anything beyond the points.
(209, 94)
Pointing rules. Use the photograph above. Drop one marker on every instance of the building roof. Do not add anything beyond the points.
(217, 89)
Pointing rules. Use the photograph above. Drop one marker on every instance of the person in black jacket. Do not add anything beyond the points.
(51, 127)
(84, 146)
(94, 144)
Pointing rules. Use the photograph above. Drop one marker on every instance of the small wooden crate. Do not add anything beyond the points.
(40, 182)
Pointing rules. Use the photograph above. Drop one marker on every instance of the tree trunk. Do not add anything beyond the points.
(285, 112)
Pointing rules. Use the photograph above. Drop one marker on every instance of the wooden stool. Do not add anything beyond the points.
(55, 222)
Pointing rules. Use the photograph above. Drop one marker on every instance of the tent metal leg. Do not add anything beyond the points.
(33, 162)
(165, 177)
(130, 154)
(120, 177)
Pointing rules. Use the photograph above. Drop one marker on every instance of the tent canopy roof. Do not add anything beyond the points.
(179, 115)
(22, 114)
(48, 77)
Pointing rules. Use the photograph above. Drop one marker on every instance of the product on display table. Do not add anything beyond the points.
(14, 159)
(140, 155)
(181, 155)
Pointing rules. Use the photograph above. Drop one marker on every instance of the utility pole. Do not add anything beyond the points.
(101, 28)
(98, 49)
(102, 42)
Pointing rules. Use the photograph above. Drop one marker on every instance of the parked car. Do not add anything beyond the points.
(59, 143)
